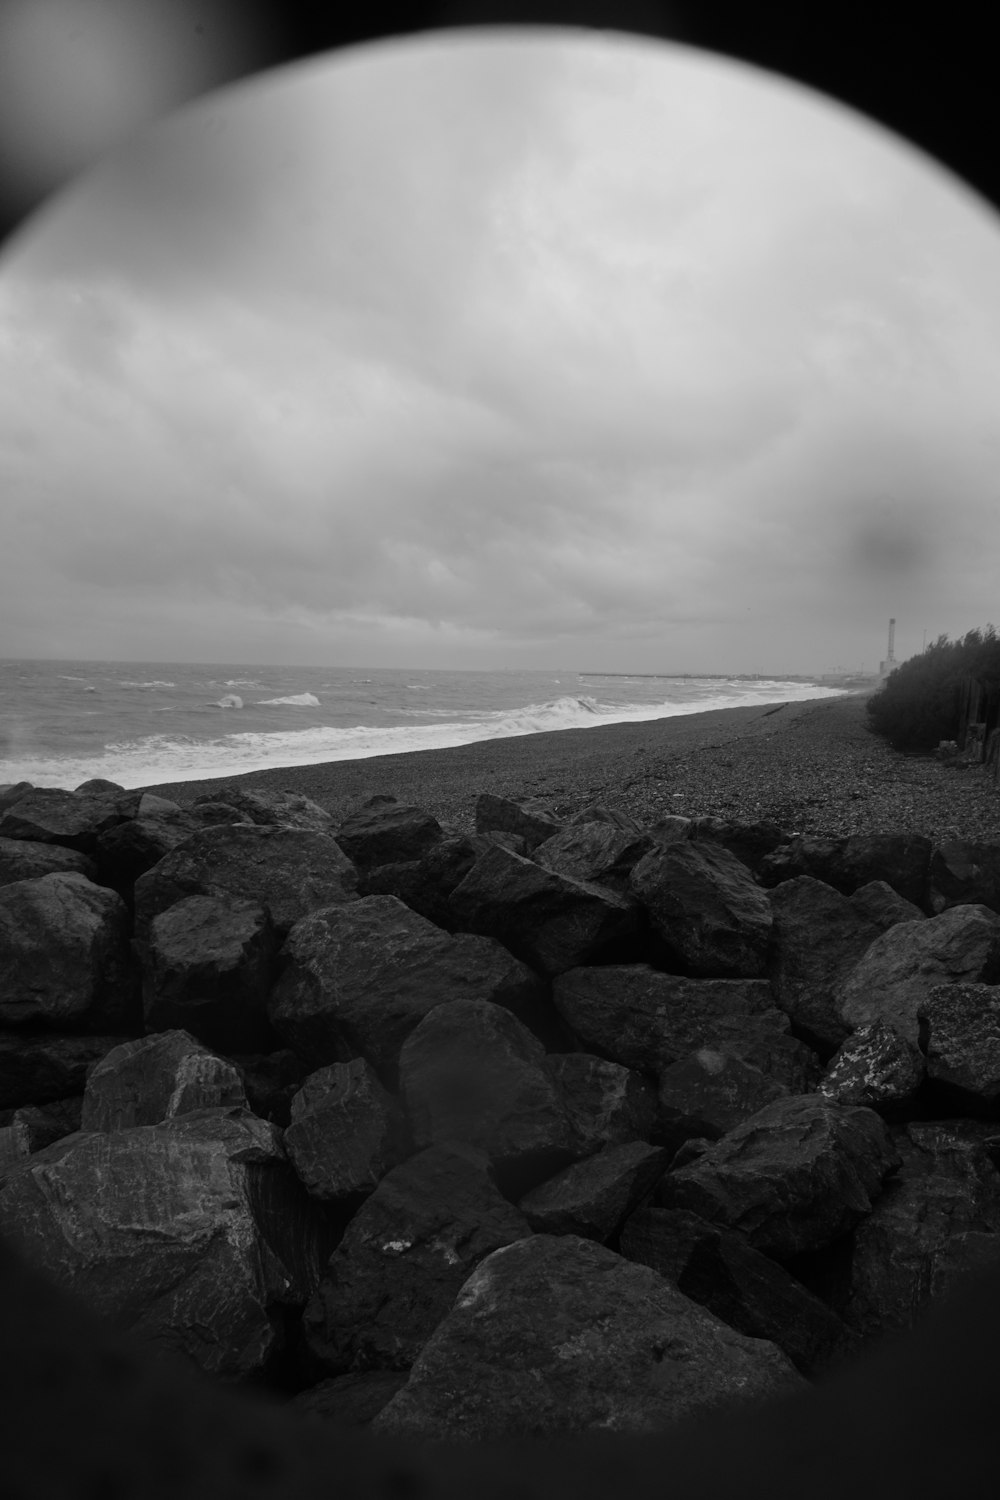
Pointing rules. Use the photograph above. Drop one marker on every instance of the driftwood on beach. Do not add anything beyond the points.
(562, 1126)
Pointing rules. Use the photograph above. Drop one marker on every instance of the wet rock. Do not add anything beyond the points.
(155, 1228)
(157, 1078)
(471, 1072)
(356, 979)
(384, 831)
(818, 939)
(207, 966)
(37, 1069)
(900, 859)
(644, 1019)
(349, 1401)
(274, 809)
(532, 819)
(792, 1178)
(346, 1132)
(703, 901)
(877, 902)
(930, 1219)
(963, 873)
(960, 1034)
(598, 851)
(716, 1268)
(708, 1093)
(404, 1257)
(288, 871)
(556, 1334)
(547, 920)
(23, 859)
(49, 815)
(64, 955)
(876, 1068)
(904, 964)
(606, 1104)
(592, 1198)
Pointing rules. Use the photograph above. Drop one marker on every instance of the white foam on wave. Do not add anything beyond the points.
(294, 700)
(169, 758)
(229, 700)
(145, 686)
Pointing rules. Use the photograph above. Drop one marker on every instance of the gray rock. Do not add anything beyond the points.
(597, 812)
(716, 1268)
(13, 791)
(49, 815)
(271, 1080)
(644, 1019)
(156, 1228)
(960, 1034)
(556, 1334)
(792, 1178)
(345, 1131)
(765, 1042)
(598, 851)
(903, 965)
(708, 1093)
(425, 884)
(963, 873)
(357, 979)
(44, 1124)
(900, 859)
(98, 784)
(531, 819)
(750, 842)
(912, 1246)
(129, 849)
(157, 1078)
(23, 859)
(384, 831)
(404, 1256)
(64, 955)
(288, 871)
(876, 1068)
(349, 1402)
(207, 966)
(274, 809)
(551, 922)
(37, 1069)
(592, 1198)
(880, 904)
(819, 937)
(606, 1104)
(471, 1072)
(704, 903)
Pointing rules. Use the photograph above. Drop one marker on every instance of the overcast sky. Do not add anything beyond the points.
(503, 349)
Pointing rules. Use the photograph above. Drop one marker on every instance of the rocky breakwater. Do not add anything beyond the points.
(563, 1126)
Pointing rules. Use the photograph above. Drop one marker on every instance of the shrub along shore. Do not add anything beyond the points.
(554, 1120)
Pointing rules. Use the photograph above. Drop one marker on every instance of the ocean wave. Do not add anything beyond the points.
(243, 682)
(147, 685)
(295, 700)
(229, 700)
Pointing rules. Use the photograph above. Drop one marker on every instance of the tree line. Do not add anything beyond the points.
(920, 703)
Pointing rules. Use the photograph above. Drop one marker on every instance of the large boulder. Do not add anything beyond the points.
(471, 1072)
(288, 871)
(963, 873)
(345, 1131)
(557, 1334)
(156, 1078)
(900, 859)
(818, 938)
(902, 966)
(404, 1257)
(357, 979)
(425, 884)
(531, 819)
(879, 903)
(592, 1198)
(49, 815)
(272, 809)
(606, 1104)
(705, 904)
(708, 1093)
(23, 859)
(960, 1035)
(792, 1178)
(598, 851)
(350, 1402)
(750, 842)
(939, 1217)
(65, 960)
(877, 1068)
(644, 1019)
(207, 966)
(384, 831)
(158, 1228)
(129, 849)
(716, 1268)
(550, 921)
(36, 1069)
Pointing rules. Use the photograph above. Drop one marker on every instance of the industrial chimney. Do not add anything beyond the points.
(885, 667)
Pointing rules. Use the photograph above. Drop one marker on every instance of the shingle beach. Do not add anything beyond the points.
(811, 767)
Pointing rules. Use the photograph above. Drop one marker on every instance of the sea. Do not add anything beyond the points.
(142, 723)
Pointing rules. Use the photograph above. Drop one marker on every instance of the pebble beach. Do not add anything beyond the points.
(812, 767)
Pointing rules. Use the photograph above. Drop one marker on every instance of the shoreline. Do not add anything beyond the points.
(812, 766)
